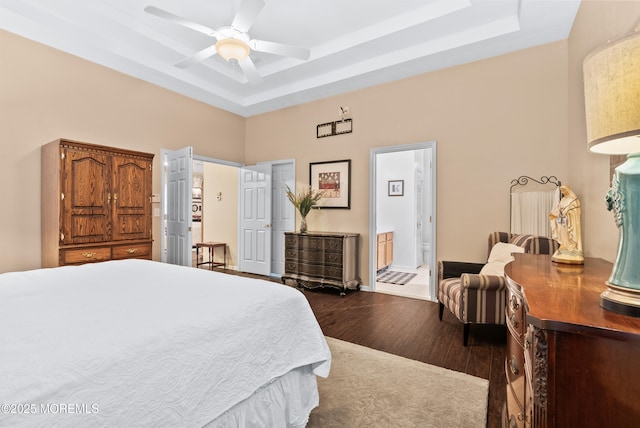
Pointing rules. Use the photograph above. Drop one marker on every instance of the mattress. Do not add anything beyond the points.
(143, 343)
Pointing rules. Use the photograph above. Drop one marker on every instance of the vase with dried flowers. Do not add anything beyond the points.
(304, 199)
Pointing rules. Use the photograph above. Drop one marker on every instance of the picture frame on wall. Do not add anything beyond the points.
(333, 178)
(396, 188)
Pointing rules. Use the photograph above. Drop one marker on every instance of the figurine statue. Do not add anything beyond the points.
(565, 228)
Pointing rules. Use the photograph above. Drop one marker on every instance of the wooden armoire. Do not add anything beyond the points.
(96, 203)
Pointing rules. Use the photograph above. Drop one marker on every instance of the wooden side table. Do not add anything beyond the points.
(211, 246)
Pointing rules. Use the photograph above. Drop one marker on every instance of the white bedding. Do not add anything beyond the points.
(141, 343)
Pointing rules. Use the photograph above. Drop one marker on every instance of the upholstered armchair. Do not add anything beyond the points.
(479, 298)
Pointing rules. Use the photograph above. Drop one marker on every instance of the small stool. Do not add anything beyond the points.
(211, 246)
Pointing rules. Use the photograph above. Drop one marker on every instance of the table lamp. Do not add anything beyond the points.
(612, 105)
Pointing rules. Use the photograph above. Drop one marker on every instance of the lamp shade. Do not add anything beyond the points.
(232, 49)
(612, 97)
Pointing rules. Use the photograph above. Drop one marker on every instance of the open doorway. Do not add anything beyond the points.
(402, 225)
(208, 198)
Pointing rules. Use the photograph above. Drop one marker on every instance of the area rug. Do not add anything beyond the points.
(394, 277)
(370, 388)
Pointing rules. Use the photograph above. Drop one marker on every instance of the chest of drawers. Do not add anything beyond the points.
(321, 259)
(569, 363)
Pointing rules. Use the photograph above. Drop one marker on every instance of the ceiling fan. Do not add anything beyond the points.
(233, 42)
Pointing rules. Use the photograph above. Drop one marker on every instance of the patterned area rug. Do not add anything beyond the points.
(394, 277)
(370, 388)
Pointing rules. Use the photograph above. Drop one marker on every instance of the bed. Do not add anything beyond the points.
(143, 343)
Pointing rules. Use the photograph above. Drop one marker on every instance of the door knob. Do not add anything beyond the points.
(267, 225)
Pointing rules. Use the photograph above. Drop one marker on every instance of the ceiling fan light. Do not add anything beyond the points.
(232, 49)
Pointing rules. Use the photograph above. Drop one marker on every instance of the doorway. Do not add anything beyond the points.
(215, 203)
(402, 226)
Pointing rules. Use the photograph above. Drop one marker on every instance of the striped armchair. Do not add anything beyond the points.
(480, 299)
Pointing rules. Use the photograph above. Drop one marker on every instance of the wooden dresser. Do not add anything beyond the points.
(96, 203)
(569, 362)
(321, 259)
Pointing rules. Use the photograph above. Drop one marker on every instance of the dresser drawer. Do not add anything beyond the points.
(333, 258)
(321, 243)
(291, 266)
(291, 254)
(516, 412)
(142, 250)
(320, 271)
(515, 315)
(514, 364)
(84, 255)
(291, 242)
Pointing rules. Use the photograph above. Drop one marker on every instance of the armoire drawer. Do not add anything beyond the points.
(84, 255)
(142, 250)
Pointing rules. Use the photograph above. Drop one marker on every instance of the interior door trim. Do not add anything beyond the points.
(373, 203)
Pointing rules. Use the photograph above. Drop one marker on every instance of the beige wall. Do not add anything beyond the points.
(493, 121)
(597, 23)
(220, 217)
(46, 94)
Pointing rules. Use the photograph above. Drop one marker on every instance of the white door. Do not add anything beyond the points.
(255, 219)
(179, 171)
(283, 213)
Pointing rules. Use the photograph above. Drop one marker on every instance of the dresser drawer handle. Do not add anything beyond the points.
(514, 303)
(132, 250)
(514, 320)
(513, 423)
(528, 339)
(89, 255)
(513, 365)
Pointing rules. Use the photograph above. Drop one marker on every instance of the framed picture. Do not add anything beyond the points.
(333, 178)
(396, 187)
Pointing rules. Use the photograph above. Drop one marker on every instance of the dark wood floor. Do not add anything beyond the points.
(410, 328)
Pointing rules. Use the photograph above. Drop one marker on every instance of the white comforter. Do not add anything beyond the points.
(141, 343)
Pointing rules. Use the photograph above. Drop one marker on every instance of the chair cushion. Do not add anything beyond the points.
(499, 257)
(493, 268)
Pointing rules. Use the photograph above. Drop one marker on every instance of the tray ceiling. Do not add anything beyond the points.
(353, 44)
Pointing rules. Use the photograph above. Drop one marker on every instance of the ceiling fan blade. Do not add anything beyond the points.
(249, 70)
(180, 21)
(279, 49)
(197, 57)
(247, 13)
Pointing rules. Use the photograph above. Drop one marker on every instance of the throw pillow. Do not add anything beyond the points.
(499, 257)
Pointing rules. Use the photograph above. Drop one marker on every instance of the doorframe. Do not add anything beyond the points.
(373, 204)
(292, 222)
(163, 191)
(239, 165)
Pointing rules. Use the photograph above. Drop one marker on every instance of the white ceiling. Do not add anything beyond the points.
(353, 43)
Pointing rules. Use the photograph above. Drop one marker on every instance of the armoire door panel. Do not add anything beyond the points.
(132, 198)
(130, 177)
(89, 228)
(85, 196)
(130, 226)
